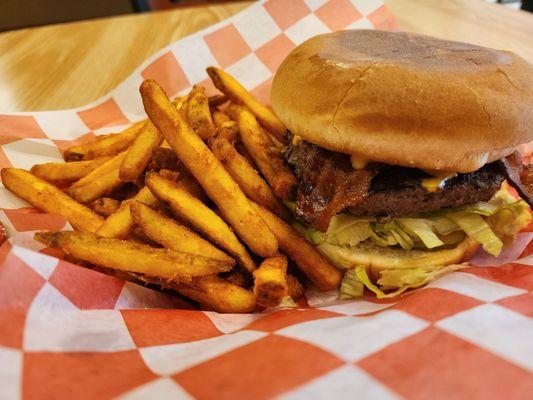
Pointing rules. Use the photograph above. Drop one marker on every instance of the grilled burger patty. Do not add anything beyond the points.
(327, 180)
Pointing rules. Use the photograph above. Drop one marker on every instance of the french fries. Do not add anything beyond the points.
(66, 172)
(112, 164)
(313, 264)
(105, 206)
(226, 127)
(219, 295)
(238, 94)
(97, 188)
(172, 235)
(49, 198)
(140, 153)
(188, 208)
(198, 113)
(294, 288)
(217, 100)
(109, 145)
(195, 180)
(247, 177)
(120, 224)
(267, 157)
(208, 171)
(270, 282)
(132, 257)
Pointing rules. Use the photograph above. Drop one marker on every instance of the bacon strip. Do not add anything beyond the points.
(519, 176)
(328, 185)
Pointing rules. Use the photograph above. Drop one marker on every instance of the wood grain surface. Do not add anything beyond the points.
(69, 65)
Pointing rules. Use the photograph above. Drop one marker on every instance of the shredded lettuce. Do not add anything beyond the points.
(492, 224)
(351, 287)
(422, 229)
(403, 279)
(477, 228)
(346, 229)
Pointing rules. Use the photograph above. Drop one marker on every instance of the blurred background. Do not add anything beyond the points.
(16, 14)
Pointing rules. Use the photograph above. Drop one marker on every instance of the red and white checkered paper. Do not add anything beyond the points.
(68, 332)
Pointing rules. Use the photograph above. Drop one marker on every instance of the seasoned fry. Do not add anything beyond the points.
(185, 180)
(140, 153)
(78, 152)
(105, 206)
(238, 94)
(188, 208)
(109, 145)
(172, 235)
(120, 224)
(113, 164)
(48, 198)
(217, 100)
(270, 282)
(237, 278)
(164, 158)
(294, 288)
(198, 113)
(226, 127)
(132, 257)
(315, 266)
(247, 177)
(66, 172)
(98, 187)
(267, 157)
(219, 295)
(208, 171)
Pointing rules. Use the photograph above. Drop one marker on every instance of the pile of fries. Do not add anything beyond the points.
(190, 199)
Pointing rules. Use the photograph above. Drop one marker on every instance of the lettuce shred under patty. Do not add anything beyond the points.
(493, 224)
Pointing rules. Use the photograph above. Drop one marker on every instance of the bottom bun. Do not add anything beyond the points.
(380, 258)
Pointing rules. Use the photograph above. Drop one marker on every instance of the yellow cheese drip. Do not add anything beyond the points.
(296, 139)
(438, 180)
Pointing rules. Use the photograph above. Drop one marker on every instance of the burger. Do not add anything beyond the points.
(401, 144)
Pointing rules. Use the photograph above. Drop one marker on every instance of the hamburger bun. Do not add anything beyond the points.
(381, 258)
(406, 99)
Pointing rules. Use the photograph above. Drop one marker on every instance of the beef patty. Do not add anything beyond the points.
(327, 178)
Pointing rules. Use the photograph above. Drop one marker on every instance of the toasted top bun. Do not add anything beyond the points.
(406, 99)
(381, 258)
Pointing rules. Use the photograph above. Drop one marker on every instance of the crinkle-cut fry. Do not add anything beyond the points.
(199, 114)
(313, 264)
(214, 293)
(247, 177)
(294, 288)
(113, 164)
(172, 235)
(99, 187)
(238, 94)
(109, 145)
(105, 206)
(139, 154)
(217, 100)
(226, 127)
(66, 172)
(270, 282)
(195, 213)
(268, 157)
(120, 224)
(204, 166)
(132, 257)
(50, 199)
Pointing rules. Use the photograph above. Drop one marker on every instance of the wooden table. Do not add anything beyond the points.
(68, 65)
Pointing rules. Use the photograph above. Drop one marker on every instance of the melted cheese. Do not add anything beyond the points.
(358, 162)
(437, 181)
